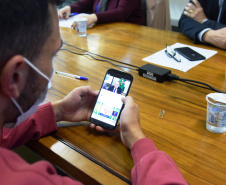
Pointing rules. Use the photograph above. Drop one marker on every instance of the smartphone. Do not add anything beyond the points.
(108, 107)
(190, 54)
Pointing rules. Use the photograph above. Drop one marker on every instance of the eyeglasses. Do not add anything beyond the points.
(172, 54)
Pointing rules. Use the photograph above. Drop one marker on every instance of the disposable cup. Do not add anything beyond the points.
(81, 26)
(216, 112)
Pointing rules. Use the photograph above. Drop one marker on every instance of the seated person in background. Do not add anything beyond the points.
(106, 11)
(115, 88)
(204, 21)
(25, 73)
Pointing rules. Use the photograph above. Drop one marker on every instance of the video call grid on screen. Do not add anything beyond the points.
(111, 82)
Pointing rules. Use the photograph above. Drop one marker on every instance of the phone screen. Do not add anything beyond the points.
(108, 106)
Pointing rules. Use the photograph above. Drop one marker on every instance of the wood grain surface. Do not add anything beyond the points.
(181, 133)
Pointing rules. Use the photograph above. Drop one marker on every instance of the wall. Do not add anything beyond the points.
(176, 9)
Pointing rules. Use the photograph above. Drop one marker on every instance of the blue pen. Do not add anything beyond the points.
(71, 75)
(73, 14)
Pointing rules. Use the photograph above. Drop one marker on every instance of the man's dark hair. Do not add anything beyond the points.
(25, 25)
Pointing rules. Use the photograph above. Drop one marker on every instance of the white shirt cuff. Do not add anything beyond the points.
(204, 21)
(201, 33)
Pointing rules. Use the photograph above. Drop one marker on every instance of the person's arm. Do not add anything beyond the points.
(19, 172)
(39, 124)
(191, 28)
(216, 37)
(195, 11)
(151, 166)
(194, 21)
(191, 21)
(121, 13)
(76, 106)
(214, 24)
(82, 6)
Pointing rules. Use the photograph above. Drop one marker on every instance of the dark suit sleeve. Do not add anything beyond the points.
(214, 24)
(191, 28)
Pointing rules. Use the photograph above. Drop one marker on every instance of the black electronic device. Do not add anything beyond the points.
(153, 72)
(108, 106)
(189, 54)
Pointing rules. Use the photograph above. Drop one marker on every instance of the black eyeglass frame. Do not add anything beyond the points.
(172, 56)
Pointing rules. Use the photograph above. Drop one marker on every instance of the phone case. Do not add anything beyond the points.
(190, 54)
(108, 107)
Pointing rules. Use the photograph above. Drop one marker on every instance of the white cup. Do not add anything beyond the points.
(81, 26)
(216, 112)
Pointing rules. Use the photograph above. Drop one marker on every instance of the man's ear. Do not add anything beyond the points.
(14, 76)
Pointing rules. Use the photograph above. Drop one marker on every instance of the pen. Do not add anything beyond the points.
(72, 14)
(71, 75)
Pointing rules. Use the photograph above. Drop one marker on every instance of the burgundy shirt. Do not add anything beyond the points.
(151, 166)
(116, 11)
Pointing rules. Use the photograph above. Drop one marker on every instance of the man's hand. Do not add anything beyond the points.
(195, 11)
(216, 37)
(64, 12)
(130, 130)
(76, 106)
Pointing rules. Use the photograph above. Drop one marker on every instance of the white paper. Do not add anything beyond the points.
(67, 23)
(162, 59)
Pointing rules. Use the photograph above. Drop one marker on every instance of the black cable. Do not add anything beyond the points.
(193, 82)
(101, 55)
(170, 76)
(98, 58)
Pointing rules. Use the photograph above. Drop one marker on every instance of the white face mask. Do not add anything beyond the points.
(24, 115)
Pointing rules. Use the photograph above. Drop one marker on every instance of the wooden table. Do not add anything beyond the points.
(182, 132)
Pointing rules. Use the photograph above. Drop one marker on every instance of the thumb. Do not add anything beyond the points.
(123, 100)
(127, 100)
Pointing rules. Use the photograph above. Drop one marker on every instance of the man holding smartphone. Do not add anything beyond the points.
(30, 38)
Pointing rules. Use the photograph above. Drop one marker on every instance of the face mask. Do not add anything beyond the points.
(24, 115)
